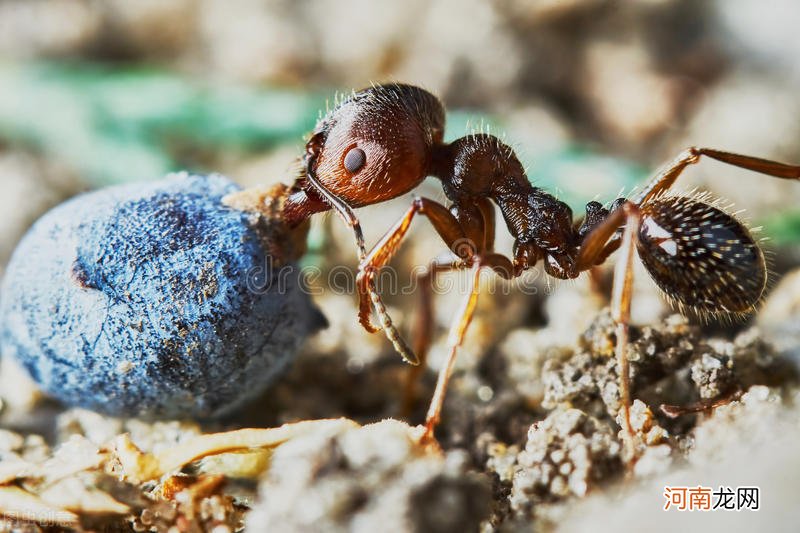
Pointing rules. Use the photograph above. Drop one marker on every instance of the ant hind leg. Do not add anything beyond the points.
(674, 411)
(596, 245)
(621, 312)
(666, 177)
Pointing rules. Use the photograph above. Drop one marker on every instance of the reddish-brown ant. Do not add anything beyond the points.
(383, 141)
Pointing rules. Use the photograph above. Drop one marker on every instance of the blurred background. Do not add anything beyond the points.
(593, 94)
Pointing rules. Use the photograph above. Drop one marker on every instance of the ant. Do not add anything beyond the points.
(383, 141)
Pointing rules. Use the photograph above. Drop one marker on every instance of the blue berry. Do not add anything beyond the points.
(153, 300)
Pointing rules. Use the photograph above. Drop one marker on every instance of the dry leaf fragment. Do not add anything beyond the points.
(14, 467)
(74, 495)
(192, 487)
(140, 466)
(78, 454)
(137, 466)
(249, 464)
(18, 504)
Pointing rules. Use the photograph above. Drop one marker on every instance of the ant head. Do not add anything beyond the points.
(377, 144)
(700, 256)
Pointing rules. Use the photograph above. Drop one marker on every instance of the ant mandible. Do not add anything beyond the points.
(383, 141)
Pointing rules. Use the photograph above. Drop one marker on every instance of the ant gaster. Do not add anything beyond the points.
(382, 142)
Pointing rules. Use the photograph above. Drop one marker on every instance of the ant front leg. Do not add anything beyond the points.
(448, 228)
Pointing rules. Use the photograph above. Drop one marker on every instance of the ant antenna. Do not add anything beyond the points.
(343, 210)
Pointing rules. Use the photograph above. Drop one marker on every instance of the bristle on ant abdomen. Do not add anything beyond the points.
(701, 257)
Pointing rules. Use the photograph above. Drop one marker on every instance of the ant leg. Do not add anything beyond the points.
(599, 243)
(596, 244)
(756, 164)
(424, 326)
(425, 319)
(674, 411)
(502, 265)
(457, 332)
(621, 312)
(448, 228)
(481, 234)
(665, 178)
(499, 263)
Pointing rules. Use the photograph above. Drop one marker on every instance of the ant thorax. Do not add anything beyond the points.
(481, 166)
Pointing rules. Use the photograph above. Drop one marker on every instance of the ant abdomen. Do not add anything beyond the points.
(700, 256)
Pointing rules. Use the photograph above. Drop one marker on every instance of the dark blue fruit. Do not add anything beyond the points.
(153, 300)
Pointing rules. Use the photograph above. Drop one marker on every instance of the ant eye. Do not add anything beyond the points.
(354, 160)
